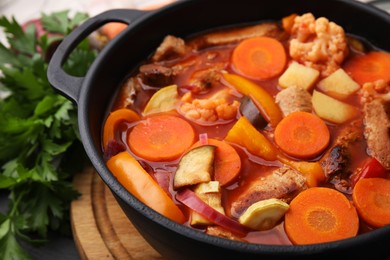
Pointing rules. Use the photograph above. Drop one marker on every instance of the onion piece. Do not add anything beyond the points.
(191, 200)
(203, 138)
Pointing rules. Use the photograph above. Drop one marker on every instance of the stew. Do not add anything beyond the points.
(272, 133)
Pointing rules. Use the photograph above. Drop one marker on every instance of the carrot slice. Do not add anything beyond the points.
(111, 30)
(161, 138)
(372, 200)
(370, 67)
(138, 182)
(113, 120)
(319, 215)
(227, 163)
(302, 135)
(259, 58)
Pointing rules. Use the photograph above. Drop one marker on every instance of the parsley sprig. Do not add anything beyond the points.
(39, 143)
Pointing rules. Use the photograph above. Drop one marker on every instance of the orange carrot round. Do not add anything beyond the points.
(371, 197)
(227, 163)
(161, 138)
(319, 215)
(302, 135)
(114, 119)
(369, 67)
(259, 58)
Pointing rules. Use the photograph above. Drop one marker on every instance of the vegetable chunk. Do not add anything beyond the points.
(338, 85)
(299, 75)
(139, 183)
(161, 137)
(319, 215)
(264, 214)
(259, 57)
(332, 109)
(196, 166)
(372, 199)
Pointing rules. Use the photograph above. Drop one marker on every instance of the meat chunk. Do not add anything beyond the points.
(235, 35)
(318, 43)
(336, 162)
(377, 130)
(156, 75)
(283, 183)
(171, 47)
(293, 99)
(128, 93)
(203, 80)
(376, 113)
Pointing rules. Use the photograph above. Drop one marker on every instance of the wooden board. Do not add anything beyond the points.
(100, 228)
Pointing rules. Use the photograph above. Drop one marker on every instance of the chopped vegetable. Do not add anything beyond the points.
(371, 169)
(245, 135)
(161, 138)
(262, 99)
(370, 67)
(319, 215)
(371, 197)
(338, 85)
(331, 109)
(138, 182)
(259, 58)
(227, 164)
(264, 214)
(209, 192)
(189, 198)
(113, 121)
(165, 99)
(312, 171)
(299, 75)
(252, 113)
(302, 135)
(196, 166)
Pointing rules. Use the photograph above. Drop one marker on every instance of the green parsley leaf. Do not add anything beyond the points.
(40, 147)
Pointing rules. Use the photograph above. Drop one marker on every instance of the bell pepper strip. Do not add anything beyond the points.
(313, 171)
(191, 200)
(262, 99)
(114, 119)
(372, 168)
(243, 133)
(138, 182)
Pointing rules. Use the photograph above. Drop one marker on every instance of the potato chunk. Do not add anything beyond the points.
(299, 75)
(331, 109)
(338, 85)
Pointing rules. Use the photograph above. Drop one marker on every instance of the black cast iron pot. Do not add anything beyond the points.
(94, 93)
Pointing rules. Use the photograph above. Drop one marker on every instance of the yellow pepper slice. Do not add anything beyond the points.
(245, 134)
(114, 119)
(262, 99)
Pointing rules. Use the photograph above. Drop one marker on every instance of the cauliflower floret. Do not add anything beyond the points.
(318, 43)
(209, 110)
(373, 90)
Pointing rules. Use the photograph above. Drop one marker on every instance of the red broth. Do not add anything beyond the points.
(252, 167)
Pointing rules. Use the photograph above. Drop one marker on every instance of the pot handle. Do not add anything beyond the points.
(70, 85)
